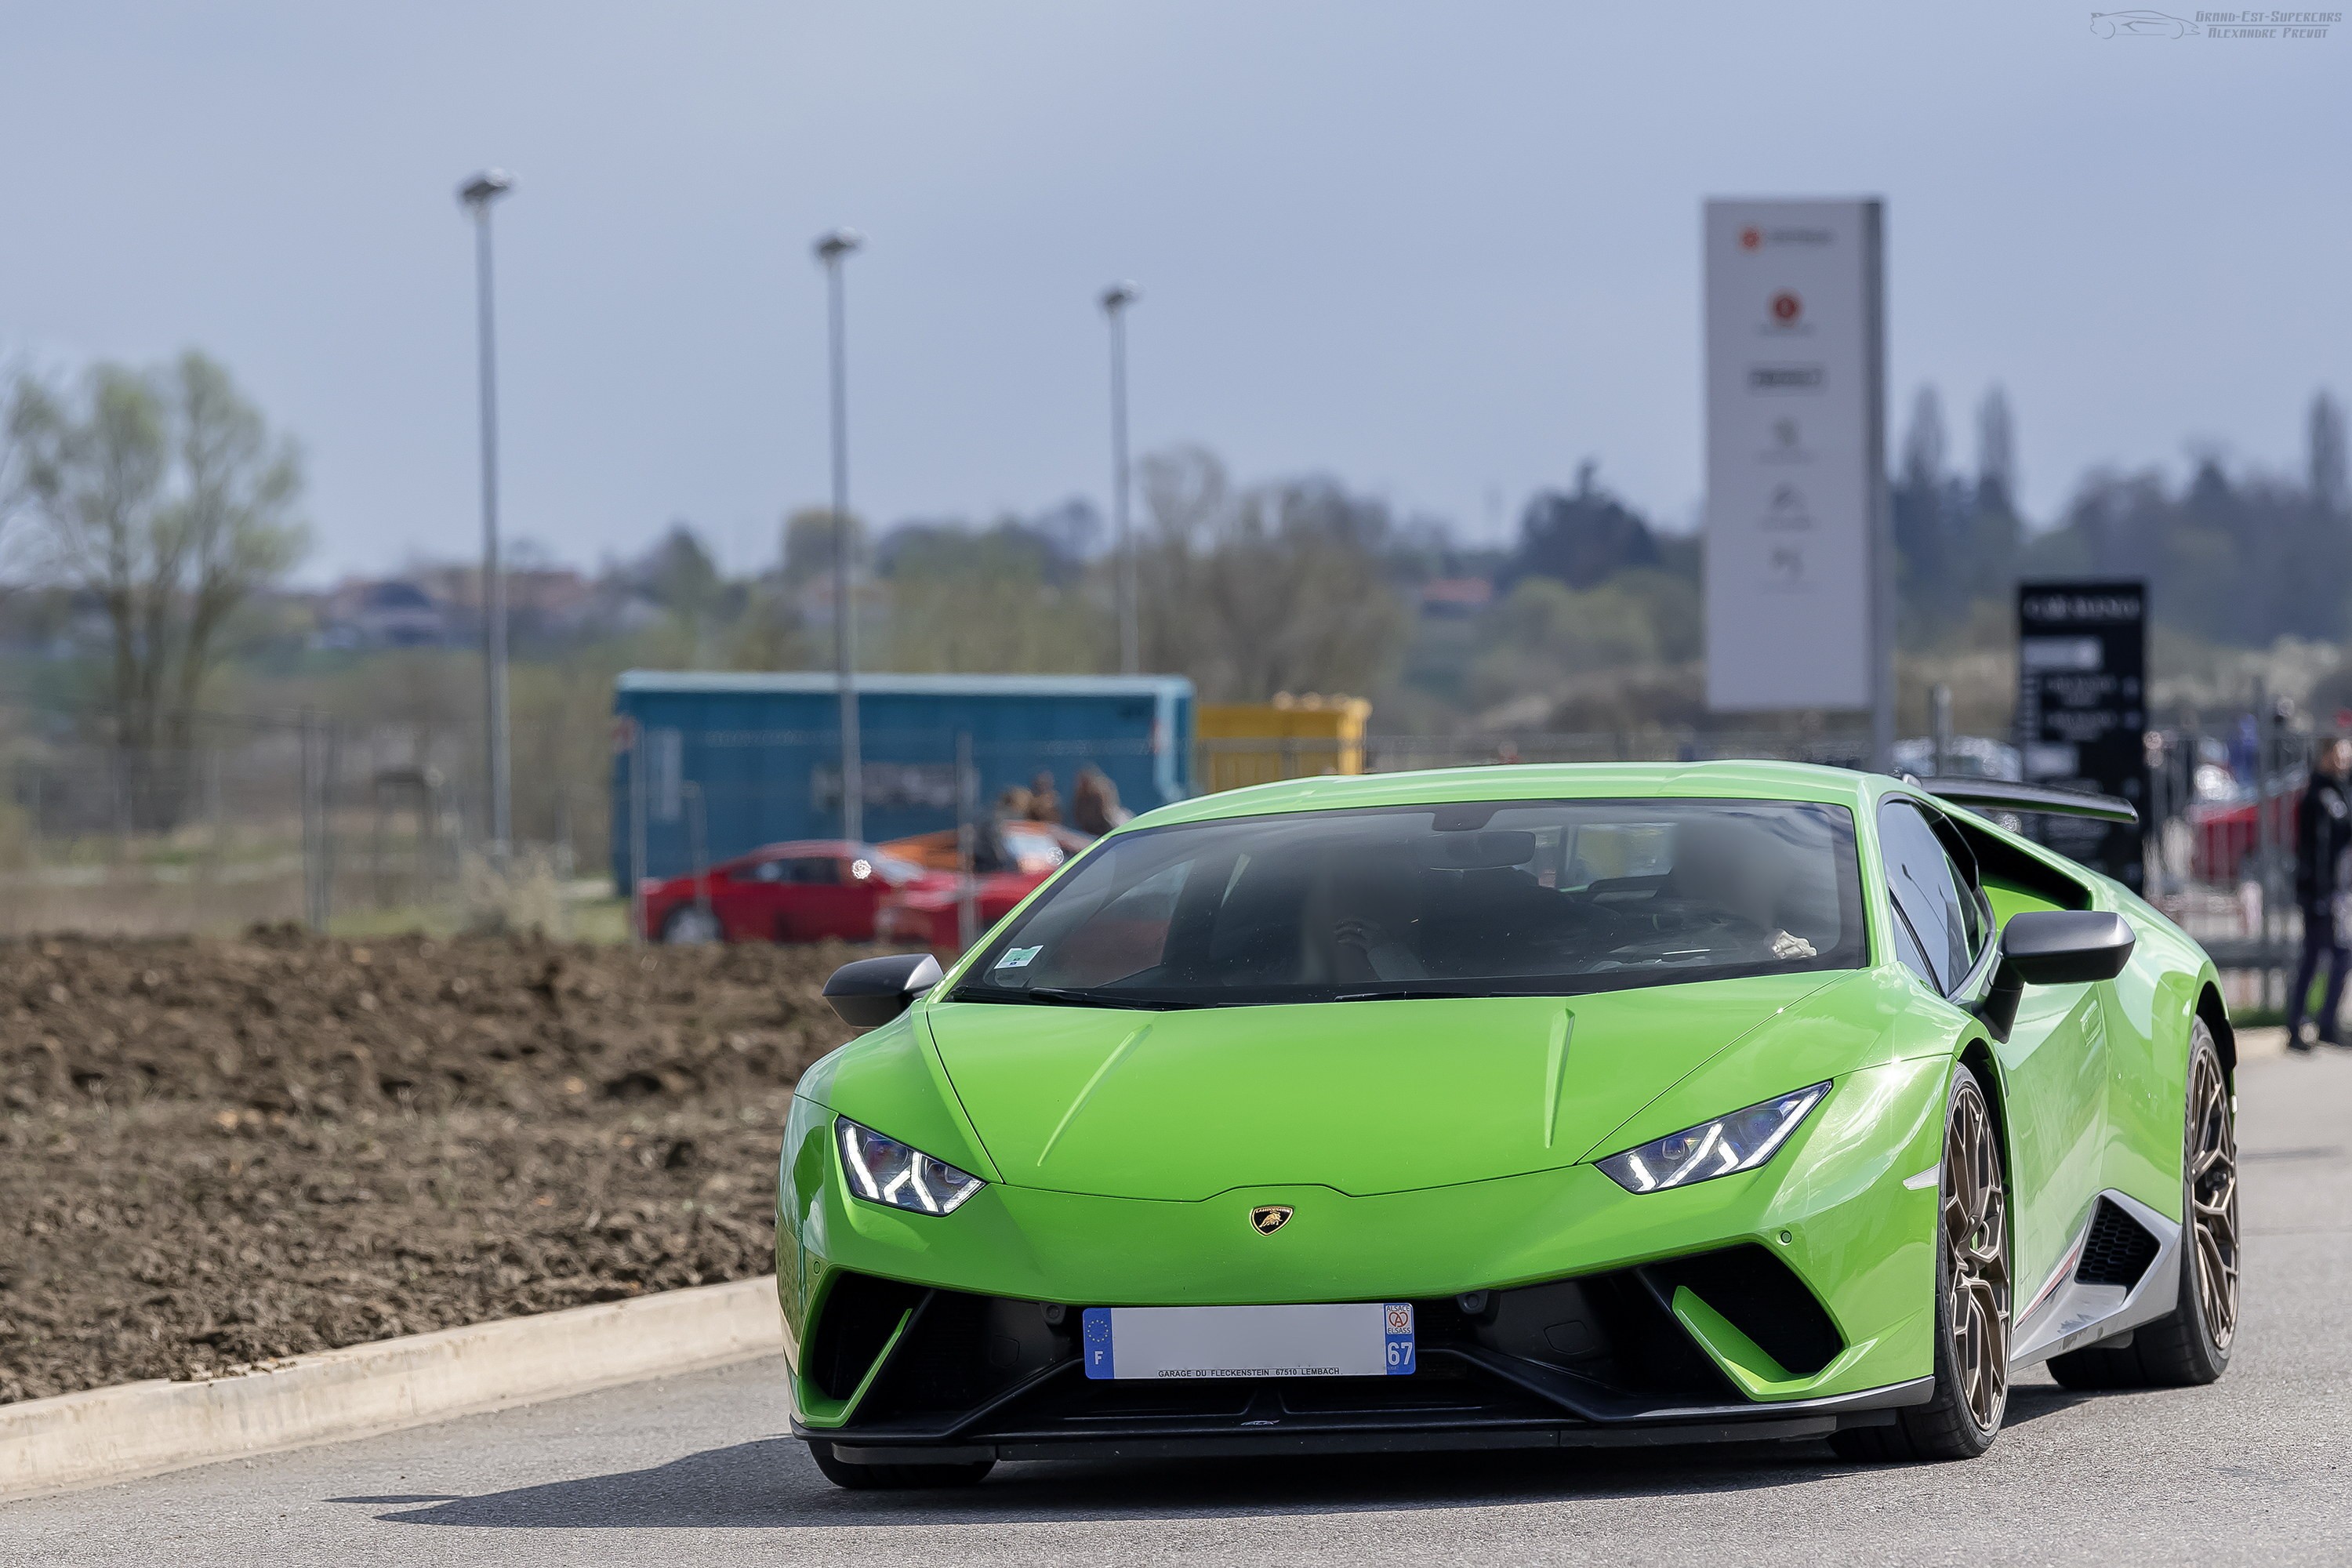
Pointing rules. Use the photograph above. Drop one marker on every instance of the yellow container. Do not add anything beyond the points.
(1288, 738)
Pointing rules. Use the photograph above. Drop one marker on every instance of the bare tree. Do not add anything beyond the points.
(1276, 589)
(162, 497)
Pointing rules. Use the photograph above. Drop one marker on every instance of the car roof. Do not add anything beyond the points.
(1729, 780)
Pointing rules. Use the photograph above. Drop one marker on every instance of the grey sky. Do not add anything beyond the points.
(1432, 249)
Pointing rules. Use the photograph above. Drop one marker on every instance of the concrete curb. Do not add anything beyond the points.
(143, 1428)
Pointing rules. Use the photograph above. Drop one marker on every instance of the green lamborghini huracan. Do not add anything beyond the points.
(1514, 1107)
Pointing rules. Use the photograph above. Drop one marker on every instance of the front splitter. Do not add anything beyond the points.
(1726, 1423)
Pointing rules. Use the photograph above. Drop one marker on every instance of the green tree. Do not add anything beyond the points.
(996, 599)
(163, 497)
(810, 542)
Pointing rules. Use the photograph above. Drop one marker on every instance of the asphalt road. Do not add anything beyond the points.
(692, 1470)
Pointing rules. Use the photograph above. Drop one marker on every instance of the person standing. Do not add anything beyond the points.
(1093, 803)
(1045, 800)
(2323, 836)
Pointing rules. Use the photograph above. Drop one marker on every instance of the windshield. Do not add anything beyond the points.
(1462, 899)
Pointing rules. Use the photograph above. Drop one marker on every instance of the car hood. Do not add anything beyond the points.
(1363, 1097)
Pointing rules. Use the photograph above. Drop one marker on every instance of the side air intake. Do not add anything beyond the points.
(2118, 1251)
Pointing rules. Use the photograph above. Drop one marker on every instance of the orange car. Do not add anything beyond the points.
(1018, 847)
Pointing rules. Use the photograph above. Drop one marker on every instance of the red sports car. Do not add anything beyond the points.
(929, 914)
(804, 890)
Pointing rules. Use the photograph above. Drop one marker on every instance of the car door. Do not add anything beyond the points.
(819, 902)
(2053, 1064)
(749, 899)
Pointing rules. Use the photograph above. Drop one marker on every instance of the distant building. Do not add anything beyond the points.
(1457, 598)
(441, 606)
(372, 613)
(397, 614)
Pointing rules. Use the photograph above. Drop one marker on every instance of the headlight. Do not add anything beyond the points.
(1740, 1142)
(885, 1171)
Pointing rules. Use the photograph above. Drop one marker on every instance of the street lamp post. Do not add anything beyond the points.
(1114, 302)
(830, 250)
(478, 194)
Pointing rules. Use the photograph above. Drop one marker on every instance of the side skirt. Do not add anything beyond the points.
(2069, 1312)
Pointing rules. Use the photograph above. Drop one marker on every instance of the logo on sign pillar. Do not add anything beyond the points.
(1751, 238)
(1787, 307)
(1267, 1218)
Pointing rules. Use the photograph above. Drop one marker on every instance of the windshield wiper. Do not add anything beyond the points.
(1423, 995)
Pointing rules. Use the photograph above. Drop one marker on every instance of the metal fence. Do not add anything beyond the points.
(2221, 810)
(248, 818)
(311, 817)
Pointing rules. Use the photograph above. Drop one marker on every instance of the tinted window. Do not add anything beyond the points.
(1518, 897)
(803, 869)
(1930, 895)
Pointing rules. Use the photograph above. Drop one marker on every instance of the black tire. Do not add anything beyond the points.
(1971, 1379)
(895, 1478)
(2190, 1344)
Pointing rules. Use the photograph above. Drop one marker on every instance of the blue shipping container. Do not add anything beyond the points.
(742, 760)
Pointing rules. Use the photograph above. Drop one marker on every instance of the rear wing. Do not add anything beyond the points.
(1998, 795)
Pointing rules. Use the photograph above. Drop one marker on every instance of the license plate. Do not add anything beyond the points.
(1348, 1339)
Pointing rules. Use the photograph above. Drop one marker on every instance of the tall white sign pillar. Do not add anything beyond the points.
(1799, 561)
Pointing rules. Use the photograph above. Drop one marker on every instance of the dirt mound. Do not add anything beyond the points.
(218, 1151)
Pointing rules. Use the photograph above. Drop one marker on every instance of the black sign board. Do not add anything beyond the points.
(2082, 663)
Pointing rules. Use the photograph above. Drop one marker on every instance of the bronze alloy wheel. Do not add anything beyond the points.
(1976, 1257)
(1963, 1415)
(2213, 1194)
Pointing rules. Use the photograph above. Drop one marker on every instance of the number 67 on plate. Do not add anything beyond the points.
(1396, 1319)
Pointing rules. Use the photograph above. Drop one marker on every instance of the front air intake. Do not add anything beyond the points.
(1758, 1295)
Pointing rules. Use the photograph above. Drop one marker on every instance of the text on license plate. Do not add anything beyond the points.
(1347, 1338)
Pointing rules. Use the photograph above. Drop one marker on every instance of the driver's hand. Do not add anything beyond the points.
(1360, 934)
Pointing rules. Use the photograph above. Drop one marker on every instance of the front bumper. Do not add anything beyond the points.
(1604, 1359)
(1784, 1302)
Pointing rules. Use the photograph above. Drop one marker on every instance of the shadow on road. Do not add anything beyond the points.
(2032, 1401)
(770, 1483)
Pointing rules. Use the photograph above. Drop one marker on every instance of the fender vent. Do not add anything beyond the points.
(2118, 1251)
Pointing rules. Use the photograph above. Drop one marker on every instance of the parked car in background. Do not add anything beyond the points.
(997, 846)
(2227, 832)
(1010, 858)
(930, 914)
(802, 891)
(1965, 757)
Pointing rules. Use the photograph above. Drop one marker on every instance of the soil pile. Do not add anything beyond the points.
(214, 1153)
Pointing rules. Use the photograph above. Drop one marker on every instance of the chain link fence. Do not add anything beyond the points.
(305, 817)
(315, 818)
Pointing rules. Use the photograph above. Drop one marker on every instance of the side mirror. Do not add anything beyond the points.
(2054, 947)
(873, 991)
